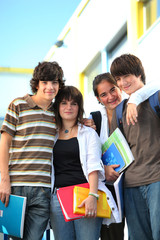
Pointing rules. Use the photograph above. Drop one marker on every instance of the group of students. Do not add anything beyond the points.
(35, 129)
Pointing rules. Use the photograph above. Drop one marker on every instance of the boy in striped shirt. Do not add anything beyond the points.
(27, 138)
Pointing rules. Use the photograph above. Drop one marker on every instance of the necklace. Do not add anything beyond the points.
(67, 133)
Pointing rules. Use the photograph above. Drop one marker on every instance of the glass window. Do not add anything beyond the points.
(90, 101)
(94, 69)
(147, 14)
(158, 8)
(120, 48)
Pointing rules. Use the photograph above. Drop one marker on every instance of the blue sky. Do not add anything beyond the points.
(28, 29)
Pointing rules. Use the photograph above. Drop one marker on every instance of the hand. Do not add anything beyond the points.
(90, 204)
(89, 123)
(131, 115)
(5, 191)
(110, 174)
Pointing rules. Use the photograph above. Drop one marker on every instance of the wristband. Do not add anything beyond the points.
(94, 195)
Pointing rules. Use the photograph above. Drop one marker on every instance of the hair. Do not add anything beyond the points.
(102, 77)
(127, 64)
(46, 71)
(68, 93)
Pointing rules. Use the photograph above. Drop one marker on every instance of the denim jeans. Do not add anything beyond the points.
(37, 210)
(80, 229)
(142, 210)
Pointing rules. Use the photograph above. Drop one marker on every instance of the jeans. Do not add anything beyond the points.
(114, 231)
(142, 210)
(37, 210)
(79, 229)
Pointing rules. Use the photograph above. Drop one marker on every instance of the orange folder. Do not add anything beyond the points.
(81, 193)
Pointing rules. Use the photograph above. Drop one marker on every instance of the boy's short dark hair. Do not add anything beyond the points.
(99, 78)
(46, 71)
(127, 64)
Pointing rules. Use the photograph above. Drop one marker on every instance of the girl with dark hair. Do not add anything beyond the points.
(76, 160)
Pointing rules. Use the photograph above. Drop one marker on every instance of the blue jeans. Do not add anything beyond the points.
(142, 210)
(80, 229)
(37, 210)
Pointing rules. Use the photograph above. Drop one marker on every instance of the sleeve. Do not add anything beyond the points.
(144, 93)
(11, 119)
(94, 162)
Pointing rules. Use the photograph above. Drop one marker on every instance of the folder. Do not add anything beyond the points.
(65, 197)
(80, 193)
(12, 217)
(112, 156)
(118, 186)
(117, 141)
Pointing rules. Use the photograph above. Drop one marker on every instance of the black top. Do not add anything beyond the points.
(68, 170)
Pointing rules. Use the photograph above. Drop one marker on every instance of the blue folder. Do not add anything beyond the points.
(12, 216)
(112, 156)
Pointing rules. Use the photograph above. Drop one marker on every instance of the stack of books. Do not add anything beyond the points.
(71, 197)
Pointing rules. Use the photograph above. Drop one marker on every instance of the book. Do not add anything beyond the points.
(65, 197)
(12, 217)
(80, 193)
(118, 186)
(122, 146)
(112, 156)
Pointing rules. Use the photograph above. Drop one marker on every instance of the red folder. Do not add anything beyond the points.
(65, 197)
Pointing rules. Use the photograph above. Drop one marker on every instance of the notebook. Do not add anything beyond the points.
(12, 217)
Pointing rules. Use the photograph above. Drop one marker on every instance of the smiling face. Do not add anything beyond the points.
(47, 90)
(129, 83)
(108, 94)
(68, 110)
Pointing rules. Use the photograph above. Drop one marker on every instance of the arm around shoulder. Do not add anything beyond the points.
(144, 93)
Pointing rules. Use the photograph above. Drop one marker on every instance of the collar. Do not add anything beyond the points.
(32, 104)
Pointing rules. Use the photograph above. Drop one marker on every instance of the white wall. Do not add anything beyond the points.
(14, 85)
(149, 52)
(89, 34)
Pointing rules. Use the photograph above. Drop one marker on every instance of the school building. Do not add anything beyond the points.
(99, 31)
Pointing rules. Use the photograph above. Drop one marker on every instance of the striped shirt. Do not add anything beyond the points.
(33, 131)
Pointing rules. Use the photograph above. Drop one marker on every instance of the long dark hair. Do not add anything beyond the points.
(68, 93)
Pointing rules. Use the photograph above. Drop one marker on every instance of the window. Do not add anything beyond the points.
(146, 15)
(90, 101)
(120, 48)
